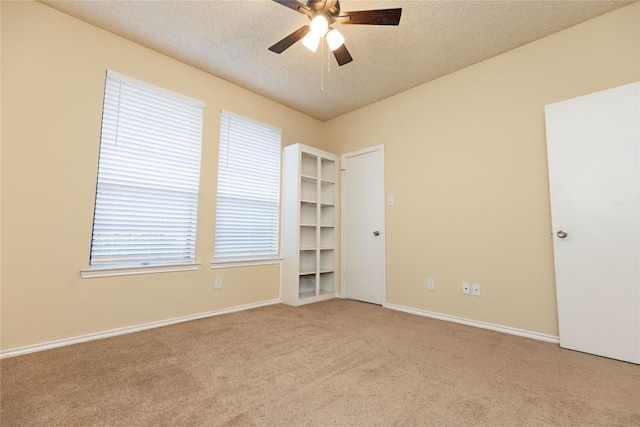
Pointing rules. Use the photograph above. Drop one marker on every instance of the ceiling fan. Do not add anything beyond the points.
(322, 14)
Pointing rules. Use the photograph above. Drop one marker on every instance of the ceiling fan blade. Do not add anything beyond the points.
(288, 41)
(295, 5)
(342, 55)
(371, 17)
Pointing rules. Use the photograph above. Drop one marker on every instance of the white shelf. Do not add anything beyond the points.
(308, 262)
(308, 213)
(327, 215)
(304, 295)
(307, 284)
(327, 260)
(309, 225)
(326, 282)
(327, 193)
(327, 237)
(309, 190)
(308, 165)
(308, 237)
(328, 170)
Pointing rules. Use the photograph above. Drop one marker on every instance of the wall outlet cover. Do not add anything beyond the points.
(466, 288)
(476, 289)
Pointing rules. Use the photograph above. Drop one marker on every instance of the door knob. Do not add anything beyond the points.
(561, 234)
(376, 233)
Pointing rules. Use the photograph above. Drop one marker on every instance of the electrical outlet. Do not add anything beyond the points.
(431, 285)
(465, 288)
(476, 289)
(217, 284)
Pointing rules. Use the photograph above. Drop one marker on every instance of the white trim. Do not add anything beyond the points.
(343, 293)
(483, 325)
(383, 271)
(280, 274)
(128, 330)
(155, 88)
(89, 273)
(231, 264)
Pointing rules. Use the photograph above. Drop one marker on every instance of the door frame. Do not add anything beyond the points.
(383, 267)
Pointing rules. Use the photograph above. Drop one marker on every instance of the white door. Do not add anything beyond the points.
(363, 225)
(593, 153)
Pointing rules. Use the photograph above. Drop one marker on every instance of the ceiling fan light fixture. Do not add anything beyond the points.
(323, 13)
(311, 41)
(319, 25)
(334, 39)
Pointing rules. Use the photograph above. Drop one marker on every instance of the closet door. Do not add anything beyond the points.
(594, 157)
(363, 225)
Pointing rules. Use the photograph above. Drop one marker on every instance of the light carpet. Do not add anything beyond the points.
(334, 363)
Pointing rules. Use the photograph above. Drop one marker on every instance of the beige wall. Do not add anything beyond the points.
(53, 69)
(466, 162)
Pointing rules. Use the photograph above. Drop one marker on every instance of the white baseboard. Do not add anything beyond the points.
(128, 330)
(477, 324)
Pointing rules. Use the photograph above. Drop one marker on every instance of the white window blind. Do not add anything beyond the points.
(248, 200)
(148, 176)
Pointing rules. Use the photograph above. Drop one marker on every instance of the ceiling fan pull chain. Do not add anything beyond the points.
(328, 60)
(322, 70)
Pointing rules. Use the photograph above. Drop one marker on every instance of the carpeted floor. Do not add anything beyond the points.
(335, 363)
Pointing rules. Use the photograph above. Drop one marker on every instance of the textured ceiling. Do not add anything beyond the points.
(229, 39)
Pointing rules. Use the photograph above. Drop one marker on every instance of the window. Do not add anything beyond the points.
(248, 202)
(146, 205)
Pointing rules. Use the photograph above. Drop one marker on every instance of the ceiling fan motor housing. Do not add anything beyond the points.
(328, 8)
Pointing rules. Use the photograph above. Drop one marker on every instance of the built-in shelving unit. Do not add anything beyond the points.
(308, 225)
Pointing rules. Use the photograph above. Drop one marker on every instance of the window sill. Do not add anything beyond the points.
(245, 263)
(89, 273)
